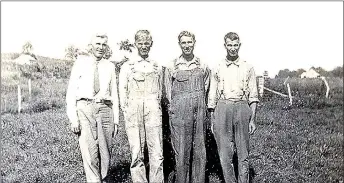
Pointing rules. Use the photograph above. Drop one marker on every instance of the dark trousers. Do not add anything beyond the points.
(187, 137)
(231, 120)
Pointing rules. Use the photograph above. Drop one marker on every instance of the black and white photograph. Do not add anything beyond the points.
(172, 92)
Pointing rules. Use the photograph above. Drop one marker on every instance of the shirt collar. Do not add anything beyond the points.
(140, 59)
(236, 62)
(182, 60)
(95, 59)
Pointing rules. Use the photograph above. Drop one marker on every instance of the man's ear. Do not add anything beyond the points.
(152, 44)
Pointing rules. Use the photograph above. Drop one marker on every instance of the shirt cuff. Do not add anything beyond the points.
(115, 121)
(251, 100)
(211, 105)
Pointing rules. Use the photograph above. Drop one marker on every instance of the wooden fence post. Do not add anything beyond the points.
(29, 83)
(5, 104)
(261, 86)
(285, 81)
(327, 86)
(290, 97)
(19, 99)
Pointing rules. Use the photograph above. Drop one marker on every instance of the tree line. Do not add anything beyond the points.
(72, 52)
(336, 72)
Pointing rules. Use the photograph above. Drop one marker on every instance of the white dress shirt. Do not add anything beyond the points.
(81, 84)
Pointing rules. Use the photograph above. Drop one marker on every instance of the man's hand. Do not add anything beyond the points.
(212, 117)
(252, 127)
(212, 128)
(75, 127)
(115, 131)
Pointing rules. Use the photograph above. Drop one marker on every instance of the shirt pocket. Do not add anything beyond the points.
(136, 82)
(153, 83)
(181, 77)
(138, 77)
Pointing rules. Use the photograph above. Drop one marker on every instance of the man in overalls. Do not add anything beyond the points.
(140, 88)
(93, 107)
(233, 98)
(189, 82)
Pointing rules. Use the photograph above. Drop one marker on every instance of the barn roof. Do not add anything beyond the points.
(25, 59)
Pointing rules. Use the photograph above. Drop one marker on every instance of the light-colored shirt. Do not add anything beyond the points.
(181, 63)
(141, 65)
(233, 80)
(81, 84)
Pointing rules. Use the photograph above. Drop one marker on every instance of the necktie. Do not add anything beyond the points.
(230, 63)
(96, 79)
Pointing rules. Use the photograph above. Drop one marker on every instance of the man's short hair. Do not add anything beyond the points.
(143, 34)
(108, 51)
(186, 33)
(232, 36)
(100, 35)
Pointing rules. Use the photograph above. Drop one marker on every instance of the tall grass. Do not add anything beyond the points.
(48, 86)
(306, 92)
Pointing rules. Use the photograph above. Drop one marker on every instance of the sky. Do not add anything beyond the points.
(274, 35)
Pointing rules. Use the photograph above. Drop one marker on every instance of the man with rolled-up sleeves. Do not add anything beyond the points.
(140, 87)
(93, 107)
(232, 102)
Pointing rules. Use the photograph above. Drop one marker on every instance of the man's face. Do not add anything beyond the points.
(232, 47)
(187, 44)
(99, 46)
(143, 45)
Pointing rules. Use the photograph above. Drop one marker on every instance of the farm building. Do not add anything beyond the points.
(25, 59)
(311, 73)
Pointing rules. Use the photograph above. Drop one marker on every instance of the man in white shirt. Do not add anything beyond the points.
(93, 107)
(232, 102)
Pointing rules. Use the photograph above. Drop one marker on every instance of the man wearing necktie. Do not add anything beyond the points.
(141, 87)
(189, 83)
(93, 107)
(233, 98)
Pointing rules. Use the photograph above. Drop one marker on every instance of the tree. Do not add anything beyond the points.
(321, 71)
(283, 73)
(292, 74)
(299, 72)
(71, 52)
(126, 45)
(337, 72)
(27, 48)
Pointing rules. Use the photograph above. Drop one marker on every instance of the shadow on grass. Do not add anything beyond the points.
(168, 152)
(119, 173)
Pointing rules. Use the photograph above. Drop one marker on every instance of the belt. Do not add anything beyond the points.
(233, 100)
(222, 97)
(96, 100)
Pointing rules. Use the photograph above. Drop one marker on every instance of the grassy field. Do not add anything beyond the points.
(301, 143)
